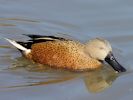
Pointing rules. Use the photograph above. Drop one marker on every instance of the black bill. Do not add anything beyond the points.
(110, 59)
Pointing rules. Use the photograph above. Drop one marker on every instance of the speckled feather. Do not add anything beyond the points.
(63, 54)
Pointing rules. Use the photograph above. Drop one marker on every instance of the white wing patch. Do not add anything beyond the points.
(45, 38)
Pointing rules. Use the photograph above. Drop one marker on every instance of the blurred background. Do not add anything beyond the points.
(77, 19)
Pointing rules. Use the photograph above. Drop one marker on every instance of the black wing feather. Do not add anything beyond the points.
(38, 39)
(43, 37)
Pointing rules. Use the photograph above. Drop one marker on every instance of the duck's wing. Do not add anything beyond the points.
(38, 39)
(43, 38)
(26, 46)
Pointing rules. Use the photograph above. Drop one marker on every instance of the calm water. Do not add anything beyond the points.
(79, 19)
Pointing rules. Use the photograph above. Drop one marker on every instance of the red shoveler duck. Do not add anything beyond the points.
(64, 53)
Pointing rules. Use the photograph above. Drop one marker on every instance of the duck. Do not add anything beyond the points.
(64, 53)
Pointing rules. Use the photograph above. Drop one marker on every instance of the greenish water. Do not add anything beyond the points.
(21, 79)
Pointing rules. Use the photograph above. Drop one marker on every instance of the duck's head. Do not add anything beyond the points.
(101, 50)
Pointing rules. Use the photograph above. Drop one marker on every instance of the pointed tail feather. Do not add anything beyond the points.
(18, 46)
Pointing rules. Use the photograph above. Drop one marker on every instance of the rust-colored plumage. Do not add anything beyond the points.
(63, 54)
(59, 52)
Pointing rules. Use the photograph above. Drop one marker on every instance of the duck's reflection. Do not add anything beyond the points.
(100, 80)
(95, 81)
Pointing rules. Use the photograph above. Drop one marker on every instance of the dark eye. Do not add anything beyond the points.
(101, 48)
(101, 61)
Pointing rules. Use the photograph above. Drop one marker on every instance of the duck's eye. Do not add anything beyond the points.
(101, 48)
(101, 61)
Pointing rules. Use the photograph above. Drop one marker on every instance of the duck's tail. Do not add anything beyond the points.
(25, 47)
(19, 45)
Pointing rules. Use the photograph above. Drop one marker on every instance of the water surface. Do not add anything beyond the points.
(21, 79)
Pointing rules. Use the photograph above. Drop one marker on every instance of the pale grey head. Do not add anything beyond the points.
(101, 50)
